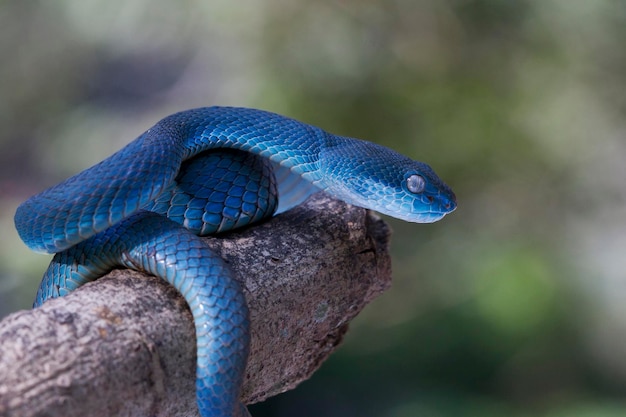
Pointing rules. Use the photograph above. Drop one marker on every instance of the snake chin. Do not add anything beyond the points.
(431, 217)
(434, 214)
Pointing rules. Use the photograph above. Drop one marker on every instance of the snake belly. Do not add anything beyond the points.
(203, 171)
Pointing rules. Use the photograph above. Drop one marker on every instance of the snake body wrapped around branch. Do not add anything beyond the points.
(204, 171)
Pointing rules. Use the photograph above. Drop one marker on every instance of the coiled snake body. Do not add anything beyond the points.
(209, 170)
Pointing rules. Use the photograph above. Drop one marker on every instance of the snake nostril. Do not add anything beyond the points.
(450, 205)
(430, 198)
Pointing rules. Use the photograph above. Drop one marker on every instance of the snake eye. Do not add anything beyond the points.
(415, 183)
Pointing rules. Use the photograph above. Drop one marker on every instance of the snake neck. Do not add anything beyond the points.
(288, 143)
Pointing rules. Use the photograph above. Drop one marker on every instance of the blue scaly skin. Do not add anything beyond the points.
(203, 171)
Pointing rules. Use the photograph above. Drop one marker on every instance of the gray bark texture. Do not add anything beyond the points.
(124, 345)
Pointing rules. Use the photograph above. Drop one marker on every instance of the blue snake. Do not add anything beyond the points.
(204, 171)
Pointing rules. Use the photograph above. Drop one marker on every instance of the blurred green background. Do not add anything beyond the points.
(513, 305)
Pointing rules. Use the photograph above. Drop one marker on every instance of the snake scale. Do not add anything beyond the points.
(203, 171)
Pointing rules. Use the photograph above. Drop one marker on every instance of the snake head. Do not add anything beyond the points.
(377, 178)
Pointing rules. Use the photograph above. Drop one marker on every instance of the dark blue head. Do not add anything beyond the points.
(374, 177)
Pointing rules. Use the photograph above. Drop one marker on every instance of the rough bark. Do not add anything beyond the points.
(125, 345)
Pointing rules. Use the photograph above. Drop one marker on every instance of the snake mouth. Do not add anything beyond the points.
(433, 217)
(439, 211)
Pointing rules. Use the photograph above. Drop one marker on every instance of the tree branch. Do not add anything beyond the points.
(125, 344)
